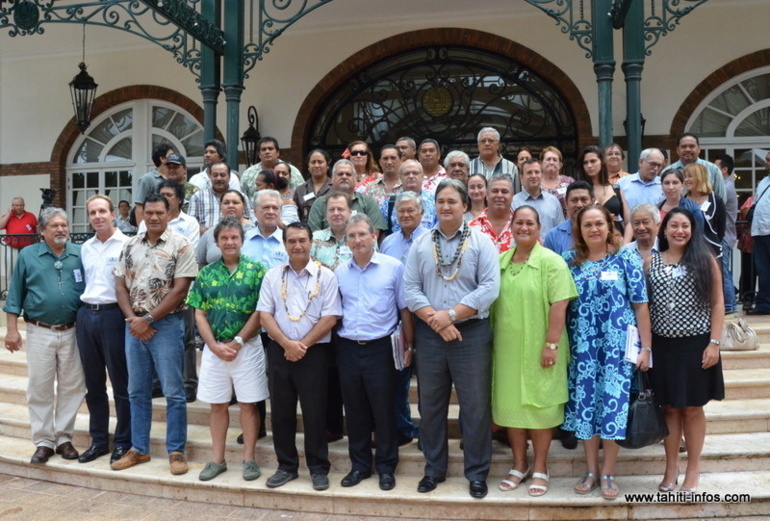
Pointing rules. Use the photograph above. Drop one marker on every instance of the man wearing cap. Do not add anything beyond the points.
(45, 289)
(176, 168)
(149, 182)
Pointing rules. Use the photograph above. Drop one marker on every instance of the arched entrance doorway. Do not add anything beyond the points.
(445, 84)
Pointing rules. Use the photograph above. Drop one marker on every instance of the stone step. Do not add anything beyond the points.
(724, 452)
(449, 501)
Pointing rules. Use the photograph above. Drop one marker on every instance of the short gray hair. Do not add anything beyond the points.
(261, 194)
(49, 213)
(409, 162)
(648, 151)
(17, 198)
(488, 129)
(360, 218)
(502, 177)
(647, 207)
(457, 153)
(343, 162)
(405, 197)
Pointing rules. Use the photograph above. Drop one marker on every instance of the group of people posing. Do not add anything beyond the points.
(513, 282)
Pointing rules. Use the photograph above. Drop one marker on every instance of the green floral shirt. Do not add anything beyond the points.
(229, 299)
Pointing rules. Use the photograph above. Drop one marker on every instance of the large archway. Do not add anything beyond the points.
(447, 84)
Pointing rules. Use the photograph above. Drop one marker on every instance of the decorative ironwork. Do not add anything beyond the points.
(576, 23)
(172, 24)
(272, 18)
(447, 93)
(661, 17)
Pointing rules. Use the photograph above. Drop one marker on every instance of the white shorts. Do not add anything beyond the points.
(247, 374)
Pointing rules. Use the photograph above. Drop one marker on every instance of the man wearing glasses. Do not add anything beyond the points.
(644, 186)
(490, 161)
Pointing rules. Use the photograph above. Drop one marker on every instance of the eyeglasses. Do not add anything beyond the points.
(358, 152)
(655, 166)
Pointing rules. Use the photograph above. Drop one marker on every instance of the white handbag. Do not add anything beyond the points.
(738, 336)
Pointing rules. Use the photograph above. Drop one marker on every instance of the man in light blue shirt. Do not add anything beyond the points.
(412, 179)
(264, 243)
(688, 150)
(548, 206)
(372, 295)
(579, 195)
(644, 186)
(760, 232)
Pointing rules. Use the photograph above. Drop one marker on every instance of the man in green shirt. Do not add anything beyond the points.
(45, 289)
(225, 298)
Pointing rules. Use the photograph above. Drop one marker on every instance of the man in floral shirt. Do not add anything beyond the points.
(153, 275)
(225, 298)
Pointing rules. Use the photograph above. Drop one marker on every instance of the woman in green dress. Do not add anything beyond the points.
(531, 352)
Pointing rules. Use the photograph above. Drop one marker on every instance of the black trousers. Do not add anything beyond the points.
(101, 343)
(305, 380)
(368, 381)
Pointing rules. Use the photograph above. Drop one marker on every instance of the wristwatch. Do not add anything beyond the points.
(552, 347)
(452, 315)
(149, 318)
(239, 340)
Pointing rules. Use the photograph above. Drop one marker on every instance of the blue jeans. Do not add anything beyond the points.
(165, 353)
(404, 424)
(727, 277)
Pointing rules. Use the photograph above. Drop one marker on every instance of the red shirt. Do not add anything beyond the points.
(24, 225)
(504, 241)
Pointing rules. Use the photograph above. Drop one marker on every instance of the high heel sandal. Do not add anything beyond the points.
(669, 487)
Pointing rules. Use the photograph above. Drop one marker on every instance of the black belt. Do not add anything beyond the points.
(364, 342)
(52, 327)
(100, 307)
(468, 322)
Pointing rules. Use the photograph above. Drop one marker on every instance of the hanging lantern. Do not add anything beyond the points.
(83, 92)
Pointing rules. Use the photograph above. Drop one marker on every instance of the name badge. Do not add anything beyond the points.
(705, 206)
(680, 271)
(609, 275)
(78, 275)
(345, 252)
(562, 190)
(29, 228)
(308, 197)
(280, 255)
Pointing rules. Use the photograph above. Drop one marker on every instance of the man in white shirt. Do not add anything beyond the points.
(100, 333)
(214, 152)
(548, 206)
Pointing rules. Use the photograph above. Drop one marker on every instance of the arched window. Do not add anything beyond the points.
(735, 119)
(117, 150)
(447, 92)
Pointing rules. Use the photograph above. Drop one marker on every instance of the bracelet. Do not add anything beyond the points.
(648, 349)
(410, 350)
(715, 341)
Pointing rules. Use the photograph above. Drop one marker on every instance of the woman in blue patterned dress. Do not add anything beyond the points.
(611, 296)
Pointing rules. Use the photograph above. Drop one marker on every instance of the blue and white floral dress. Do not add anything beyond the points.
(597, 324)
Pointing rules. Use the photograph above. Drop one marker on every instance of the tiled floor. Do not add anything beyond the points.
(30, 500)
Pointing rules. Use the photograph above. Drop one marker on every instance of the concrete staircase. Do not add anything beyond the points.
(736, 460)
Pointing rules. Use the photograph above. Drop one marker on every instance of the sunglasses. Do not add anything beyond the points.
(358, 153)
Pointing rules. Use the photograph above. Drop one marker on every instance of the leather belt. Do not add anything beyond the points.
(52, 327)
(100, 307)
(364, 342)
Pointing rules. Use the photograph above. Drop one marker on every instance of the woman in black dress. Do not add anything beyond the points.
(592, 169)
(687, 312)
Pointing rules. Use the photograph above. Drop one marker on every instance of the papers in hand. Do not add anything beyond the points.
(633, 345)
(399, 347)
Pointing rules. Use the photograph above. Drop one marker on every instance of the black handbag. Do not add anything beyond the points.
(646, 421)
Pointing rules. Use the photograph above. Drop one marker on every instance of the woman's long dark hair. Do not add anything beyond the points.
(604, 177)
(696, 257)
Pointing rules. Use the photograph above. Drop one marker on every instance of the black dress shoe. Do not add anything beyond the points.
(387, 481)
(118, 453)
(568, 439)
(41, 455)
(478, 489)
(190, 394)
(756, 311)
(354, 477)
(67, 451)
(429, 484)
(404, 440)
(92, 453)
(157, 392)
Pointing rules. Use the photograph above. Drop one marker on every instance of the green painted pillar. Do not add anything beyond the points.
(233, 74)
(209, 77)
(633, 63)
(604, 66)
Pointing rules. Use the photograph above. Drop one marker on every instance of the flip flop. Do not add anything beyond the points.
(507, 485)
(578, 488)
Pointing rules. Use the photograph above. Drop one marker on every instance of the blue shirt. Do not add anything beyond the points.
(638, 192)
(397, 246)
(267, 250)
(371, 297)
(429, 218)
(42, 292)
(547, 205)
(560, 239)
